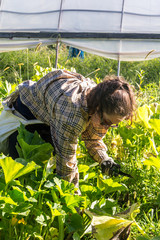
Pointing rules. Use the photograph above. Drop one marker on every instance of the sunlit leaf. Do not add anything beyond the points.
(13, 169)
(63, 186)
(72, 200)
(54, 233)
(23, 209)
(86, 188)
(83, 168)
(37, 236)
(153, 145)
(158, 109)
(41, 219)
(130, 213)
(104, 206)
(105, 227)
(17, 194)
(155, 107)
(153, 161)
(155, 124)
(109, 185)
(7, 200)
(90, 176)
(31, 191)
(54, 212)
(143, 114)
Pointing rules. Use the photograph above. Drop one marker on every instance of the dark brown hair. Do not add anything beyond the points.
(113, 96)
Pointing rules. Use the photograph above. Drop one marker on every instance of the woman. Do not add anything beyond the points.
(63, 105)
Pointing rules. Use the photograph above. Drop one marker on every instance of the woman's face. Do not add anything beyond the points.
(110, 120)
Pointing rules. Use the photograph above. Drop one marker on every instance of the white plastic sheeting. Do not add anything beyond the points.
(125, 30)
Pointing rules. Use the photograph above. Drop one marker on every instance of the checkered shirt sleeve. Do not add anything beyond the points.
(93, 138)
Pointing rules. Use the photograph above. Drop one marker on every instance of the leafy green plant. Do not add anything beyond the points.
(36, 204)
(32, 148)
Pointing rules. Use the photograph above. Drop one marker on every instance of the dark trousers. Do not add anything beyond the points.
(42, 129)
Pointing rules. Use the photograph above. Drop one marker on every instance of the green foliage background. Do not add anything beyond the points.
(19, 64)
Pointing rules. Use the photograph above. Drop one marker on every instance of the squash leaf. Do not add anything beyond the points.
(32, 147)
(155, 124)
(13, 169)
(109, 228)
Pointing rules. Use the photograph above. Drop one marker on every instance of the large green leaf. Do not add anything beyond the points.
(155, 124)
(37, 153)
(72, 200)
(104, 206)
(109, 185)
(106, 228)
(63, 186)
(143, 114)
(32, 147)
(7, 200)
(74, 223)
(22, 209)
(153, 161)
(13, 169)
(28, 137)
(17, 194)
(130, 213)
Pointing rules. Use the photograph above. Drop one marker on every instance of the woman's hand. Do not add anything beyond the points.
(109, 167)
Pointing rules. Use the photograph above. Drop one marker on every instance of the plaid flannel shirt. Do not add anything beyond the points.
(59, 100)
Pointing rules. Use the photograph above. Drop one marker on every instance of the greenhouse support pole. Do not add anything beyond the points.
(119, 66)
(120, 43)
(59, 23)
(57, 51)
